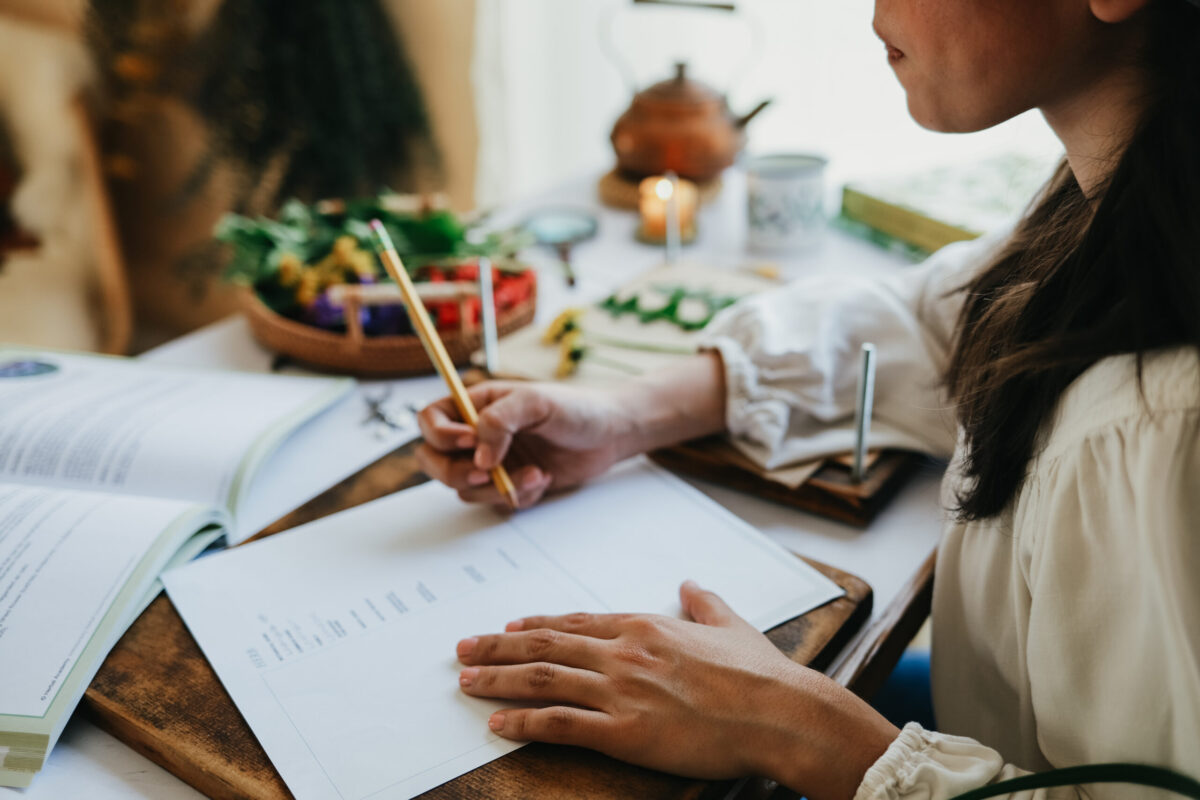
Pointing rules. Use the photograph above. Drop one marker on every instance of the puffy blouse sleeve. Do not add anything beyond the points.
(791, 358)
(1108, 543)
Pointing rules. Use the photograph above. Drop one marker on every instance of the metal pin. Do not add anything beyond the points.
(491, 346)
(863, 410)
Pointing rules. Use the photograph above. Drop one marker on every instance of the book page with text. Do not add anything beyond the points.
(74, 569)
(336, 639)
(114, 425)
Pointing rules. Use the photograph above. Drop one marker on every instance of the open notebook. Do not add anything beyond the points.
(111, 471)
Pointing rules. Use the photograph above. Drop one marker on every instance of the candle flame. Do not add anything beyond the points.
(664, 189)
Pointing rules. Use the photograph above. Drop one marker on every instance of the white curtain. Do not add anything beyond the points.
(547, 96)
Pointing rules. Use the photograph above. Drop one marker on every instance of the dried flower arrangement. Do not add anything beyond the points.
(298, 268)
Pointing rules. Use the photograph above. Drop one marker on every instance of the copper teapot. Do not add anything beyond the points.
(679, 125)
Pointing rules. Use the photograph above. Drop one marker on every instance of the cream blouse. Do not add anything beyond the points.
(1067, 630)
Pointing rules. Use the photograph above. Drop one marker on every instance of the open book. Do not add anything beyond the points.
(110, 472)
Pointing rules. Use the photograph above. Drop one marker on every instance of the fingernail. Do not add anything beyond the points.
(466, 646)
(477, 477)
(691, 585)
(465, 441)
(532, 478)
(468, 676)
(515, 625)
(483, 456)
(496, 721)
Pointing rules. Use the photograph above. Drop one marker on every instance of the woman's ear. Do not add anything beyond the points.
(1113, 11)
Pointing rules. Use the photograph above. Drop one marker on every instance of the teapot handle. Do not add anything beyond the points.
(608, 38)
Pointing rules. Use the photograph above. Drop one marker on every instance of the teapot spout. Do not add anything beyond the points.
(742, 122)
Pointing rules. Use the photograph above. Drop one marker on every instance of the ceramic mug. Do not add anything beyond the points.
(786, 202)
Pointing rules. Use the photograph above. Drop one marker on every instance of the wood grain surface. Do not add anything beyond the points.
(868, 664)
(157, 693)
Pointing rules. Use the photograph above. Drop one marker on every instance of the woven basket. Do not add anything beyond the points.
(354, 353)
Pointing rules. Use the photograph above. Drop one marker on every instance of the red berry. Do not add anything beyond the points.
(474, 310)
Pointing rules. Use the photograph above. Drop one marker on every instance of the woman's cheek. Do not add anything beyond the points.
(928, 98)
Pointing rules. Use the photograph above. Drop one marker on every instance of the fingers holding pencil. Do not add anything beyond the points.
(551, 438)
(435, 348)
(452, 455)
(458, 471)
(505, 410)
(461, 456)
(530, 485)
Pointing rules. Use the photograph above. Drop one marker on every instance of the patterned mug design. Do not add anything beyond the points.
(786, 198)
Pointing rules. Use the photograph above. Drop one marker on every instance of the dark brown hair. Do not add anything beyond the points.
(1084, 278)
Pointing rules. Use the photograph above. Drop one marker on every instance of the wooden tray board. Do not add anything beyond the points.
(158, 694)
(830, 492)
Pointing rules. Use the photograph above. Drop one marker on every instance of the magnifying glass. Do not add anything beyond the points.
(562, 229)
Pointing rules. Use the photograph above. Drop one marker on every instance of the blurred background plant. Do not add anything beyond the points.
(310, 100)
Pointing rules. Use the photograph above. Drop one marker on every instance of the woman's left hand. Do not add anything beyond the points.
(708, 699)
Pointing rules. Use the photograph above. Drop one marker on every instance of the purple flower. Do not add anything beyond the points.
(324, 313)
(390, 320)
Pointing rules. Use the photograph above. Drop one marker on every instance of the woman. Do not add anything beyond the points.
(1066, 609)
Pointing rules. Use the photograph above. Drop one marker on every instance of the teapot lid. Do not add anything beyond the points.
(681, 89)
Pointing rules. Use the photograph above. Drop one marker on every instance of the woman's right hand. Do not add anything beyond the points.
(549, 436)
(552, 436)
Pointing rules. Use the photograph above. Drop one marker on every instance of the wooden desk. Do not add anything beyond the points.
(157, 693)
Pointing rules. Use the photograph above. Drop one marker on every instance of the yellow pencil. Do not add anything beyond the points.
(433, 346)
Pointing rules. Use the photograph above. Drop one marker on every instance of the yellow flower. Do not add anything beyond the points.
(769, 271)
(346, 257)
(344, 248)
(338, 257)
(363, 264)
(309, 288)
(565, 323)
(290, 268)
(570, 352)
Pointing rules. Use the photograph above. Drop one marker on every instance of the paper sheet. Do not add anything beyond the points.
(336, 640)
(333, 446)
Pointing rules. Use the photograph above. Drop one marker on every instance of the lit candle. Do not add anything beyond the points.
(668, 209)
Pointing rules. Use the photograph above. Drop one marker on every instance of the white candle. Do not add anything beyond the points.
(668, 190)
